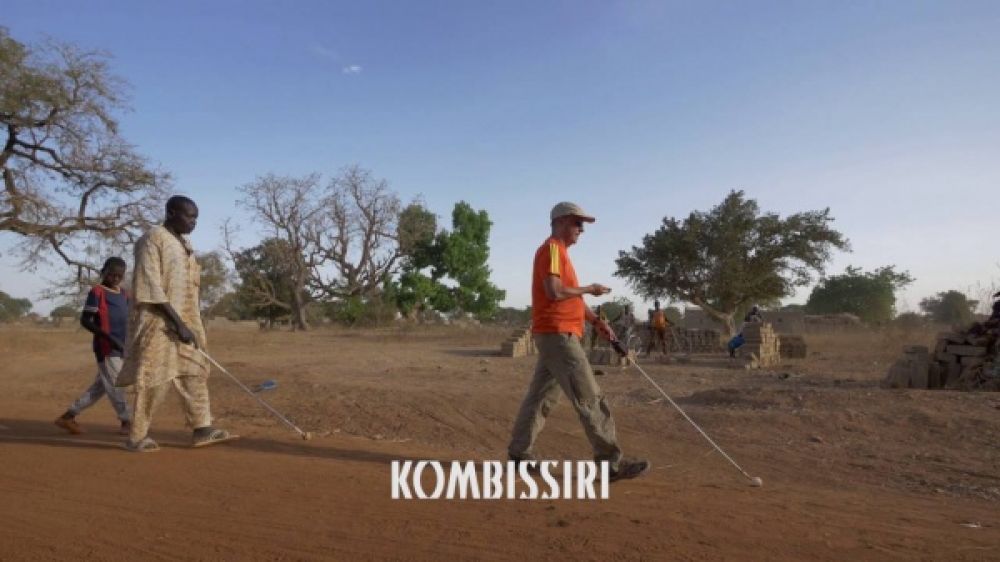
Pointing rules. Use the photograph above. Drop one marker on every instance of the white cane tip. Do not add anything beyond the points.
(307, 436)
(756, 482)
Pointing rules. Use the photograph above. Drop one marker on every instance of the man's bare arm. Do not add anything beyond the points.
(556, 291)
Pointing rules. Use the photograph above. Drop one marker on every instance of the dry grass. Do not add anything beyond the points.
(27, 338)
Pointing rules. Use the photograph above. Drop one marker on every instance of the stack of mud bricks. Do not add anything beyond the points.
(761, 347)
(695, 341)
(792, 347)
(519, 344)
(961, 361)
(913, 370)
(958, 362)
(608, 356)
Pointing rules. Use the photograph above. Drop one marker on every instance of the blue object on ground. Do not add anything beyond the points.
(266, 385)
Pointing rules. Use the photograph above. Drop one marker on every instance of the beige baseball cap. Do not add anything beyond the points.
(570, 209)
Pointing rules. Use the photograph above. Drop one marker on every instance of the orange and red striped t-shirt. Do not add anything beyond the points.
(548, 316)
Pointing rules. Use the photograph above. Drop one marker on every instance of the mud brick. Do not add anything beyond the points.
(511, 349)
(952, 337)
(973, 361)
(616, 360)
(934, 376)
(940, 347)
(919, 374)
(943, 368)
(916, 349)
(979, 341)
(954, 372)
(946, 357)
(898, 376)
(966, 350)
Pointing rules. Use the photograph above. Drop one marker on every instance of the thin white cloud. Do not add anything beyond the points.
(323, 51)
(352, 69)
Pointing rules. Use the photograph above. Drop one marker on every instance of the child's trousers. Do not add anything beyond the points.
(104, 383)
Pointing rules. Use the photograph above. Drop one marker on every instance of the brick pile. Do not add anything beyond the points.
(685, 340)
(695, 340)
(912, 370)
(761, 347)
(608, 356)
(519, 344)
(959, 361)
(964, 362)
(792, 347)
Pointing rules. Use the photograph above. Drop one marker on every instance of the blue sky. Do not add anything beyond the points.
(885, 112)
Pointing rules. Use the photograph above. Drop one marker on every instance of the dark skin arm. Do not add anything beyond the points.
(89, 322)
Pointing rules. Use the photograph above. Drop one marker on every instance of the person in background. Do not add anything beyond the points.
(752, 317)
(658, 326)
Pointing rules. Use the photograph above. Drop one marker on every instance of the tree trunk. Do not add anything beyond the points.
(298, 319)
(724, 318)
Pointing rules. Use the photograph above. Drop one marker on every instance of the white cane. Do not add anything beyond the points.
(755, 481)
(304, 434)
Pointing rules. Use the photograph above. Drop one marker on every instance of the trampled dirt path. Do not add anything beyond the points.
(851, 471)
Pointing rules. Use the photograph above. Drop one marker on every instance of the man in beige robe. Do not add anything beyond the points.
(166, 331)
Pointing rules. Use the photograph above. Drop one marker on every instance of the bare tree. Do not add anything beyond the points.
(336, 242)
(292, 210)
(71, 185)
(359, 236)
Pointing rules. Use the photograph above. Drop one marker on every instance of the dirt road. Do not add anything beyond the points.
(851, 471)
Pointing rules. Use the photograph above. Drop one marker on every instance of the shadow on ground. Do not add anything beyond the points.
(37, 432)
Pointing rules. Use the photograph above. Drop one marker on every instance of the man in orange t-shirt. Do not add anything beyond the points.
(558, 314)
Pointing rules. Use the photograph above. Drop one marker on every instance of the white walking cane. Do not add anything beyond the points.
(755, 481)
(304, 434)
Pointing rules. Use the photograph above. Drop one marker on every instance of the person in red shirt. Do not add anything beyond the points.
(105, 314)
(558, 313)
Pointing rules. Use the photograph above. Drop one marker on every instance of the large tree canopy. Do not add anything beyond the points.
(950, 307)
(869, 295)
(72, 186)
(13, 308)
(730, 256)
(266, 280)
(447, 272)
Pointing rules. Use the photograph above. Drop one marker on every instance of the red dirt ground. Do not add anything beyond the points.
(851, 471)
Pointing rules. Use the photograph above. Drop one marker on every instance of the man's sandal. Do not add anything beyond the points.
(147, 445)
(213, 437)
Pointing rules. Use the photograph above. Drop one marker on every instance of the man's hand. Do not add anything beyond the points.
(597, 289)
(185, 334)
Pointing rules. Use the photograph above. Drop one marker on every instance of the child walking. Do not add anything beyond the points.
(105, 314)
